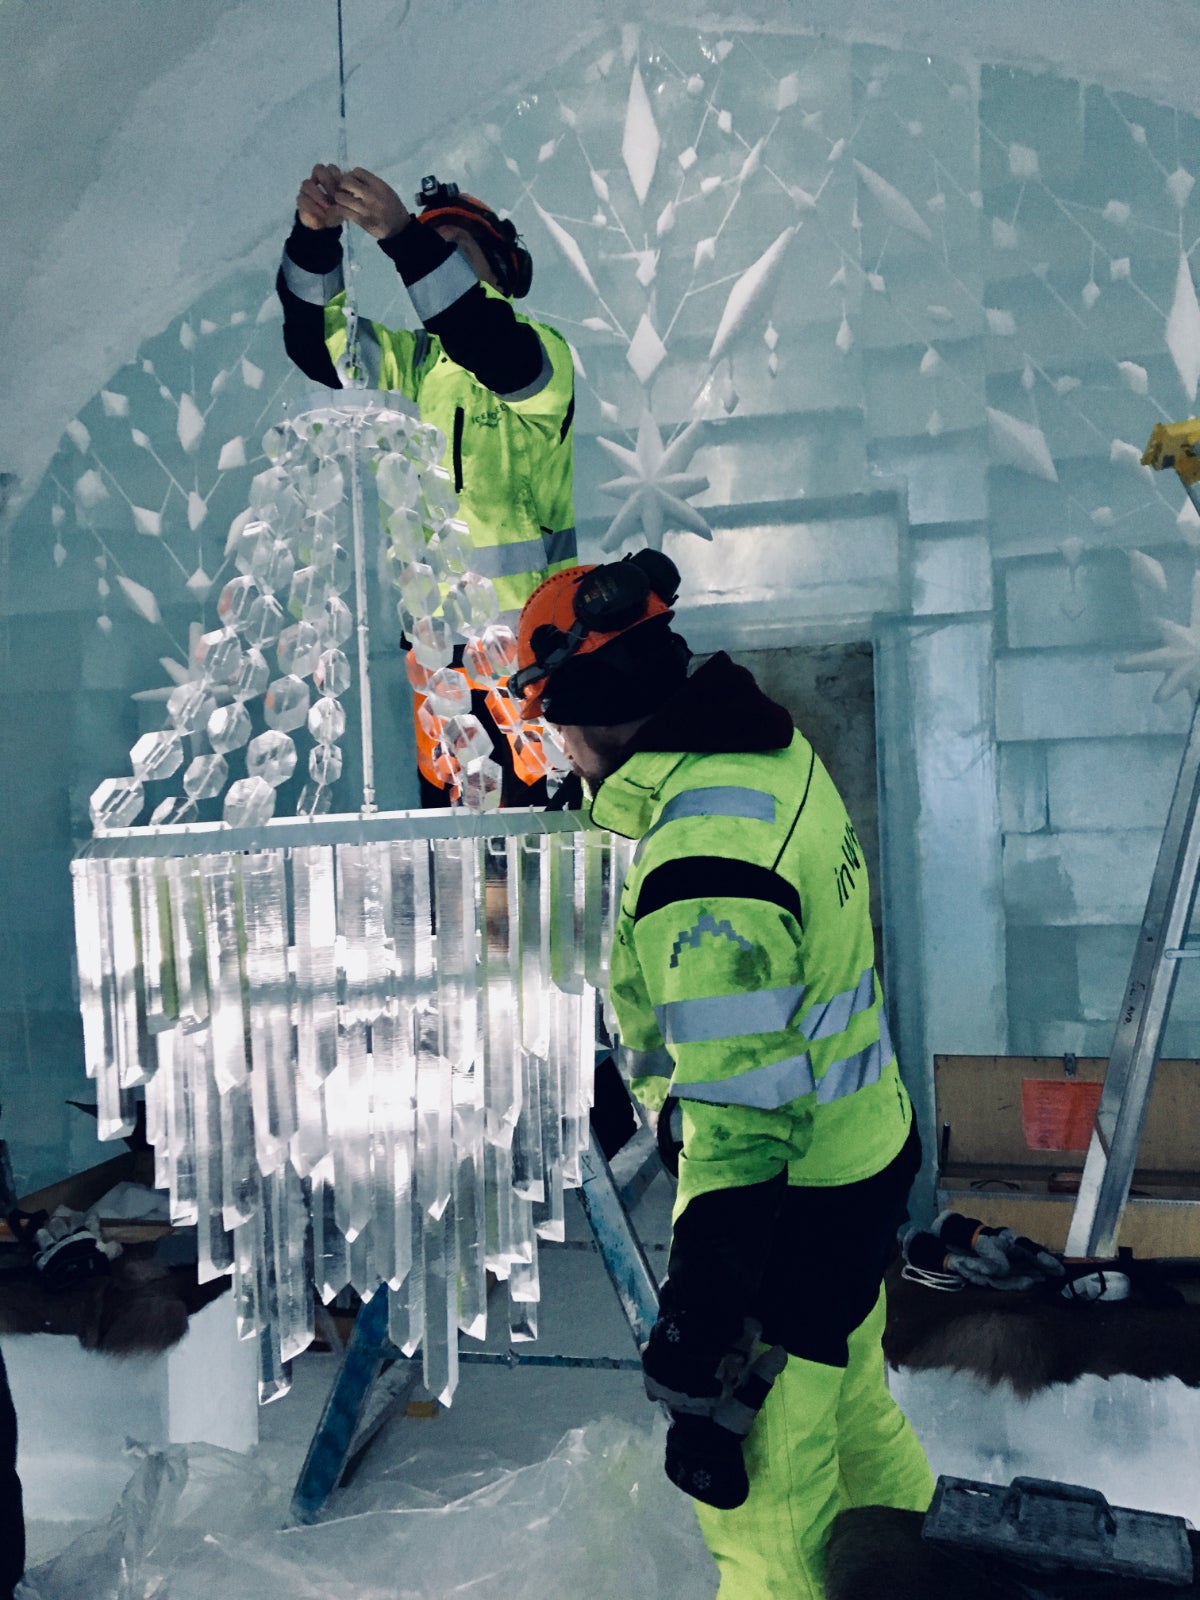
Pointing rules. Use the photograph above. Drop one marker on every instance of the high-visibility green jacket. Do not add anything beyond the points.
(504, 399)
(742, 971)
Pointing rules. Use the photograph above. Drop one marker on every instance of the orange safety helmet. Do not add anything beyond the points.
(575, 613)
(497, 237)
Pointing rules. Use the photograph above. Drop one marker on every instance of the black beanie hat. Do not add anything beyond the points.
(630, 677)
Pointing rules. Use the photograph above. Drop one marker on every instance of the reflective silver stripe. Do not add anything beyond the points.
(538, 384)
(832, 1016)
(775, 1084)
(766, 1088)
(315, 288)
(646, 1063)
(719, 801)
(728, 1016)
(509, 560)
(370, 355)
(560, 546)
(440, 288)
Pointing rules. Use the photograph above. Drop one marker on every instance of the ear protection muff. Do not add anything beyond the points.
(498, 238)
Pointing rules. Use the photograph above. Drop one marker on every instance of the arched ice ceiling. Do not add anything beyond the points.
(148, 150)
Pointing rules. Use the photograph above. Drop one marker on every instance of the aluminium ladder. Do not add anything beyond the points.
(1162, 943)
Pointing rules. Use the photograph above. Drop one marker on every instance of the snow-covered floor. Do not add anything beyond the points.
(548, 1482)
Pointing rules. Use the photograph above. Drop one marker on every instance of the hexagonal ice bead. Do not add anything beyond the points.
(432, 642)
(418, 589)
(327, 720)
(218, 655)
(285, 704)
(205, 776)
(273, 566)
(396, 480)
(450, 551)
(116, 802)
(480, 783)
(449, 692)
(264, 621)
(426, 445)
(470, 604)
(228, 727)
(406, 533)
(492, 654)
(331, 675)
(252, 676)
(309, 588)
(157, 755)
(249, 802)
(236, 598)
(175, 810)
(325, 764)
(336, 621)
(315, 799)
(271, 756)
(466, 739)
(189, 706)
(298, 648)
(325, 488)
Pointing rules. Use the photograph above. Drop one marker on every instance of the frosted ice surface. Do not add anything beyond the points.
(1020, 444)
(1183, 329)
(189, 425)
(641, 141)
(646, 351)
(147, 521)
(896, 207)
(1147, 571)
(749, 293)
(90, 490)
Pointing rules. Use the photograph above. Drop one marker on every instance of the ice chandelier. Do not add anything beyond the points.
(365, 1040)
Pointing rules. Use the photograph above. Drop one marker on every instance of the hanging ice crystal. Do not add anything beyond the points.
(156, 755)
(333, 1092)
(116, 802)
(229, 728)
(272, 757)
(285, 704)
(205, 777)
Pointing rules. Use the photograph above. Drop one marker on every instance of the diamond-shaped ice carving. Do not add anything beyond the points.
(1020, 444)
(569, 247)
(1180, 185)
(1183, 329)
(250, 801)
(116, 802)
(646, 351)
(272, 757)
(205, 776)
(331, 675)
(325, 764)
(285, 704)
(749, 293)
(190, 424)
(229, 727)
(327, 720)
(251, 677)
(189, 706)
(156, 755)
(896, 207)
(641, 140)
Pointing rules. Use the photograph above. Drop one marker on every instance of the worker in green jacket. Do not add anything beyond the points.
(499, 385)
(752, 1022)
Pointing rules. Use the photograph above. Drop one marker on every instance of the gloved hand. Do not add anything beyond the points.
(958, 1250)
(712, 1399)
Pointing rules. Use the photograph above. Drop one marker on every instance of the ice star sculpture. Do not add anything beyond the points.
(1177, 657)
(655, 486)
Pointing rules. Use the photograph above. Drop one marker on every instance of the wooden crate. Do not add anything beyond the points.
(1012, 1135)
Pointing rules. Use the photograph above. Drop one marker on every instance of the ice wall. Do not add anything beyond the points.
(888, 315)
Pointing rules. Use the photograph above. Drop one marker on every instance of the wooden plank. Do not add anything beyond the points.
(981, 1098)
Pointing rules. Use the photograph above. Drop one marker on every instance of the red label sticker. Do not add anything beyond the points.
(1057, 1115)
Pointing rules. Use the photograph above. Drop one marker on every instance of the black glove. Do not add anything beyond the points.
(712, 1405)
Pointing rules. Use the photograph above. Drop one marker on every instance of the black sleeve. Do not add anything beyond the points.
(478, 331)
(315, 250)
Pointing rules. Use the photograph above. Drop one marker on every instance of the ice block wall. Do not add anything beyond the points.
(891, 324)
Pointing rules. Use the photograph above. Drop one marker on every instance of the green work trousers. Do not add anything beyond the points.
(827, 1438)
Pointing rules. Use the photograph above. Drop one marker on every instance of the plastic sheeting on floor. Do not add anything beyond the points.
(597, 1518)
